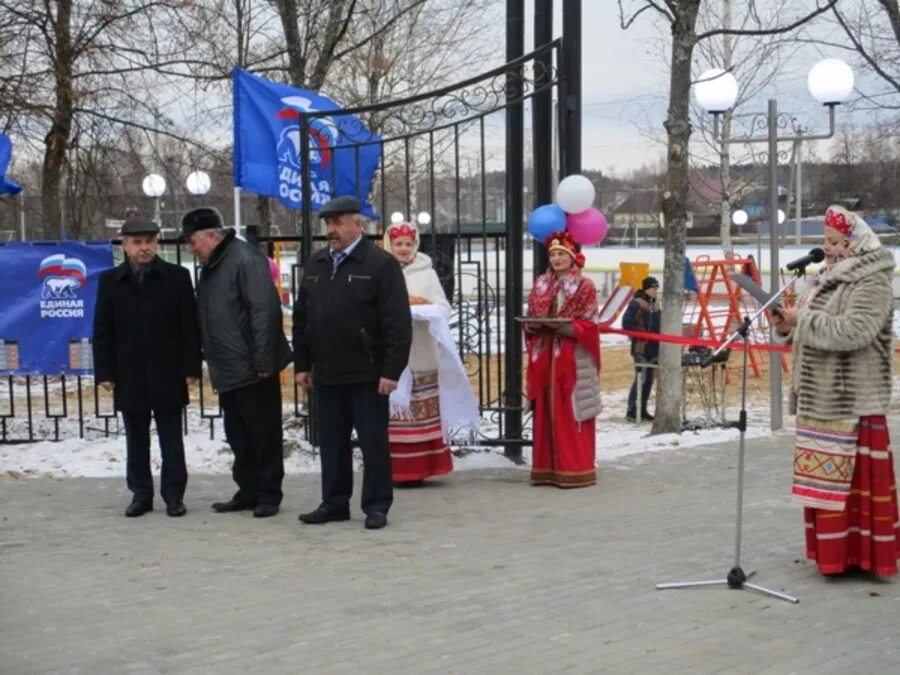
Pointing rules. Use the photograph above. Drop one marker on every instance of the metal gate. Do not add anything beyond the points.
(455, 154)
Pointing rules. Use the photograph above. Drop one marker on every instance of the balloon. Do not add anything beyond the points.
(545, 220)
(575, 193)
(588, 227)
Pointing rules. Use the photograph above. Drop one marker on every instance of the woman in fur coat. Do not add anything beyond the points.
(563, 368)
(419, 448)
(841, 388)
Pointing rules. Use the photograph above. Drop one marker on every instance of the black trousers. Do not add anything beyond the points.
(173, 478)
(341, 409)
(646, 376)
(253, 430)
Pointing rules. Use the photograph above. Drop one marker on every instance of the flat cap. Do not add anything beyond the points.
(201, 218)
(139, 225)
(340, 206)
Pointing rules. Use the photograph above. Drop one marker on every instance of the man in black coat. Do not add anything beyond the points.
(147, 351)
(245, 349)
(352, 335)
(642, 315)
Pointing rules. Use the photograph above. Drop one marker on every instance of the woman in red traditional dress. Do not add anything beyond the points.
(418, 446)
(563, 368)
(841, 385)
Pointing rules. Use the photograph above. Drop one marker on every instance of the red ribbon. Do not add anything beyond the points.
(698, 342)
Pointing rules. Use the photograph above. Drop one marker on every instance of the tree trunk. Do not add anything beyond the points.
(725, 177)
(724, 151)
(264, 216)
(57, 139)
(678, 127)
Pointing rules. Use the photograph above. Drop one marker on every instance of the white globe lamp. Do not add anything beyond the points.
(424, 218)
(830, 81)
(396, 217)
(198, 183)
(781, 216)
(716, 90)
(739, 217)
(154, 185)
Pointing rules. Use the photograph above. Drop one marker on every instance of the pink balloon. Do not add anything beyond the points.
(587, 227)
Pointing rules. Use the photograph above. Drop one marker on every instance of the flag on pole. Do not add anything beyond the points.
(7, 185)
(343, 155)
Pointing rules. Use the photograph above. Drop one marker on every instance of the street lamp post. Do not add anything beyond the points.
(154, 186)
(830, 82)
(198, 183)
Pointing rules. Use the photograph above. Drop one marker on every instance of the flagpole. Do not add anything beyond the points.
(22, 214)
(237, 210)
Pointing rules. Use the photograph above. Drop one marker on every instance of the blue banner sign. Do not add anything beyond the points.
(47, 296)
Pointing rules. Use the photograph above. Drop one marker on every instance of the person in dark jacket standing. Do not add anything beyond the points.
(245, 349)
(352, 336)
(147, 351)
(642, 315)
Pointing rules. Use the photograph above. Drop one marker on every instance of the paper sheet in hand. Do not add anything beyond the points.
(750, 286)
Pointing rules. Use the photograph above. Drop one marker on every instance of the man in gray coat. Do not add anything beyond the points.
(245, 349)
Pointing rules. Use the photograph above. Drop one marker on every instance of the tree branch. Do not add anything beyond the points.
(770, 31)
(864, 53)
(390, 22)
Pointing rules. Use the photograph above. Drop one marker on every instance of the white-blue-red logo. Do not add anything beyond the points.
(323, 137)
(63, 278)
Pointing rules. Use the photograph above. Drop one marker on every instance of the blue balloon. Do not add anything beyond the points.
(545, 220)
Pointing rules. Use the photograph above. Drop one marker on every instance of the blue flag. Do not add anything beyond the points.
(47, 296)
(267, 145)
(7, 185)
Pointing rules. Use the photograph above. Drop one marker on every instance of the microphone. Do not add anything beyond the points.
(816, 255)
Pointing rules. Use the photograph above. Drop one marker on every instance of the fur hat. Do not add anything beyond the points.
(202, 218)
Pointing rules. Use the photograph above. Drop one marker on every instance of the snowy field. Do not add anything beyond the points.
(105, 457)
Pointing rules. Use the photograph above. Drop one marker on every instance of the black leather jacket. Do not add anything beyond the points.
(353, 327)
(240, 316)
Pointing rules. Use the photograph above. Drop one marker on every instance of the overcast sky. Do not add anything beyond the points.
(625, 85)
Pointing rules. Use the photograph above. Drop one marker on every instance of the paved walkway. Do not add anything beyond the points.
(478, 573)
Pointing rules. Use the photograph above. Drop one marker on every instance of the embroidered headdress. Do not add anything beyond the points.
(563, 241)
(860, 237)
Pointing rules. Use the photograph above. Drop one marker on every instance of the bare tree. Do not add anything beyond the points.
(68, 61)
(873, 31)
(681, 16)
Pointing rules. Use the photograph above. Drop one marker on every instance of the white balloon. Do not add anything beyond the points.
(575, 193)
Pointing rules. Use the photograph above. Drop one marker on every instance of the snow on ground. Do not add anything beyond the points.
(97, 456)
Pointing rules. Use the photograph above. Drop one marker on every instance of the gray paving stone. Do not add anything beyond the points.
(477, 573)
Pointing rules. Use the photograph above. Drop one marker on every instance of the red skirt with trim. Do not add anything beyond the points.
(418, 450)
(866, 534)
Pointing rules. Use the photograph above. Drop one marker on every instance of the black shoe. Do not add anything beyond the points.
(265, 510)
(231, 505)
(631, 417)
(176, 509)
(409, 483)
(322, 515)
(375, 520)
(136, 509)
(646, 417)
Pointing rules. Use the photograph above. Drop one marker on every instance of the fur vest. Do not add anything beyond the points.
(421, 279)
(842, 356)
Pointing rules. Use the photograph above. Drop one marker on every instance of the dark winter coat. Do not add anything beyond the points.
(240, 316)
(356, 327)
(641, 315)
(146, 338)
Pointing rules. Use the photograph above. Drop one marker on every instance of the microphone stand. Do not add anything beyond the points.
(736, 577)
